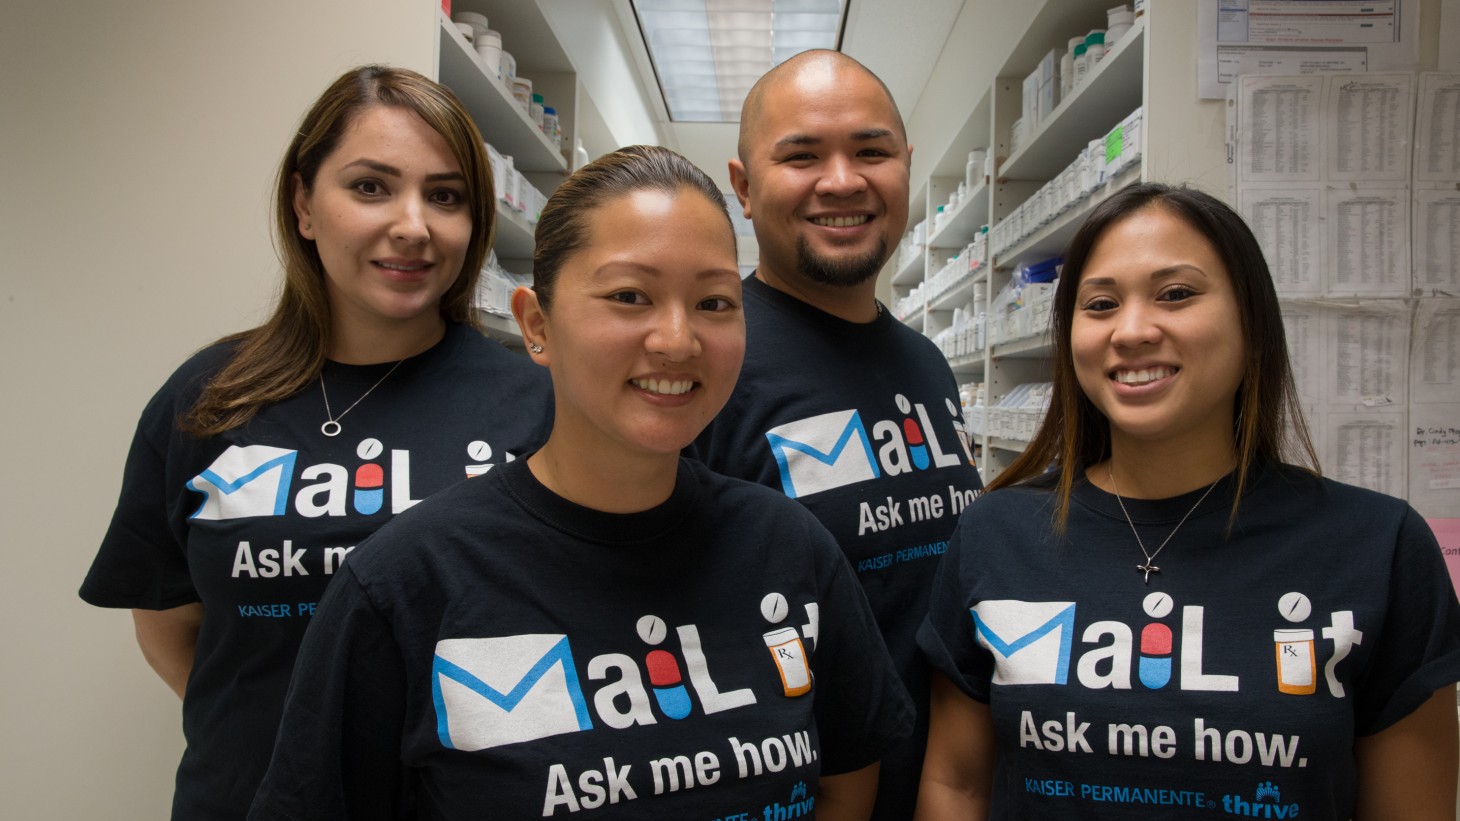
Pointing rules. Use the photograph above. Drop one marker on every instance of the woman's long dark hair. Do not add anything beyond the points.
(1268, 419)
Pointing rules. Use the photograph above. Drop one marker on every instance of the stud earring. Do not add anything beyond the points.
(535, 348)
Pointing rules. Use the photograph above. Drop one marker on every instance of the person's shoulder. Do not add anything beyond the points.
(923, 349)
(765, 519)
(718, 486)
(205, 363)
(730, 493)
(420, 535)
(474, 365)
(478, 350)
(1030, 498)
(185, 384)
(767, 309)
(1284, 482)
(1352, 499)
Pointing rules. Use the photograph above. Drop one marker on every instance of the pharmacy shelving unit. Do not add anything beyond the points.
(527, 35)
(1122, 82)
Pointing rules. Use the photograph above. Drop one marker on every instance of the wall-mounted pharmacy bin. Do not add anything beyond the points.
(1051, 161)
(509, 127)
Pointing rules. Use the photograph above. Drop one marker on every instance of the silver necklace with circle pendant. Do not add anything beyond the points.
(331, 427)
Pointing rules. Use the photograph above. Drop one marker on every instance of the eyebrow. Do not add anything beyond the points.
(859, 136)
(1158, 274)
(707, 273)
(390, 170)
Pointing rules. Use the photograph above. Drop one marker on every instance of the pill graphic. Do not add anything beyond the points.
(1155, 664)
(479, 452)
(369, 488)
(915, 444)
(668, 686)
(369, 448)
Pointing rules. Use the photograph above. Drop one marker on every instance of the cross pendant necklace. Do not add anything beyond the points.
(1150, 567)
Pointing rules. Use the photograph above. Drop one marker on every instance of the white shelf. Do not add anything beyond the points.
(959, 292)
(1050, 240)
(1039, 346)
(504, 123)
(974, 133)
(1108, 96)
(969, 364)
(501, 328)
(1174, 124)
(960, 227)
(514, 236)
(915, 320)
(911, 272)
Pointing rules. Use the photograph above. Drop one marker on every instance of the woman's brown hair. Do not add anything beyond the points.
(1268, 419)
(284, 355)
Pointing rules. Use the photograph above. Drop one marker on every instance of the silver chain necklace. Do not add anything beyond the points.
(331, 427)
(1148, 568)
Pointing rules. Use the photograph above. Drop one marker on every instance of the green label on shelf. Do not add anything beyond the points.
(1113, 141)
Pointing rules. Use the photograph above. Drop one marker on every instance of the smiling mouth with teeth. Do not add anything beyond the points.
(391, 267)
(1143, 377)
(667, 387)
(841, 222)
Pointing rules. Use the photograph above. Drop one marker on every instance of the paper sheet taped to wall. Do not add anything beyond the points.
(1351, 184)
(1437, 185)
(1237, 37)
(1350, 366)
(1447, 533)
(1323, 168)
(1434, 419)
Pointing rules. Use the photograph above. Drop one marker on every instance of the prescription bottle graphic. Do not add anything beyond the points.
(790, 656)
(1297, 670)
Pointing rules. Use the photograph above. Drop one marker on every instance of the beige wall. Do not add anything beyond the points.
(137, 144)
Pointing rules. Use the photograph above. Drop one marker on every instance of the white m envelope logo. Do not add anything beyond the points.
(822, 452)
(249, 481)
(1030, 640)
(490, 692)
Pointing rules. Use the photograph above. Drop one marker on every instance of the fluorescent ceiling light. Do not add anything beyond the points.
(708, 53)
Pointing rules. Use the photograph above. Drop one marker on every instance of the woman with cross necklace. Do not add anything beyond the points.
(1151, 612)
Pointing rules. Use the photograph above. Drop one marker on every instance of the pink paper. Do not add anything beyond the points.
(1447, 532)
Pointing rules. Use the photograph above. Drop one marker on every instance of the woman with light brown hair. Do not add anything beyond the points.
(1152, 613)
(269, 454)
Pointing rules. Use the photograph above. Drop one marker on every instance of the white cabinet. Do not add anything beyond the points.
(1121, 83)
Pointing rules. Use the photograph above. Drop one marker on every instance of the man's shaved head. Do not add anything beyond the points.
(815, 60)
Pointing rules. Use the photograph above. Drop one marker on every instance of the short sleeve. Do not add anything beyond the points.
(337, 754)
(141, 563)
(1418, 649)
(946, 634)
(862, 708)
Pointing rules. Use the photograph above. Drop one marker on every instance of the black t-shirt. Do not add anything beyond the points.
(861, 424)
(501, 652)
(1234, 684)
(254, 523)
